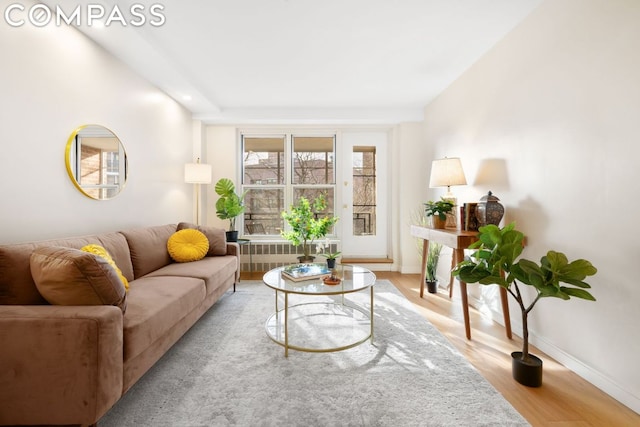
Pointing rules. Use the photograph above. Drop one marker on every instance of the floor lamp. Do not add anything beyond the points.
(445, 173)
(197, 173)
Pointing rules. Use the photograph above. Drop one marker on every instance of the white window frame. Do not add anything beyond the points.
(288, 185)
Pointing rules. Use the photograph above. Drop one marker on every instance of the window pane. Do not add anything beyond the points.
(262, 211)
(313, 160)
(263, 160)
(112, 173)
(311, 194)
(364, 191)
(100, 176)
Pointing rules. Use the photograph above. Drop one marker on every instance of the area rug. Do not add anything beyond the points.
(226, 371)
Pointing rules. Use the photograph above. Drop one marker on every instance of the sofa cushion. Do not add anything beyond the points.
(187, 245)
(217, 238)
(67, 276)
(155, 304)
(213, 270)
(17, 285)
(148, 247)
(103, 253)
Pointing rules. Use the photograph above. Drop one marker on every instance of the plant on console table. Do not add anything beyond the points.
(304, 226)
(432, 267)
(438, 210)
(494, 262)
(229, 205)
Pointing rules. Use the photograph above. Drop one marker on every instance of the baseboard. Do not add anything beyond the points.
(588, 373)
(364, 260)
(410, 269)
(378, 267)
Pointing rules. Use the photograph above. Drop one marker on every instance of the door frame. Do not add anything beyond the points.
(369, 246)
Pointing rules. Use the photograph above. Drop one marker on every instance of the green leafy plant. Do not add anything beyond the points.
(320, 247)
(230, 204)
(440, 208)
(331, 255)
(305, 227)
(495, 262)
(432, 260)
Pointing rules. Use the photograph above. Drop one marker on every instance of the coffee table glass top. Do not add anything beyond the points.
(353, 279)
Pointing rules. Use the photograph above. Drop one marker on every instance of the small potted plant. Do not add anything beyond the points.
(305, 227)
(432, 266)
(330, 256)
(438, 210)
(229, 205)
(494, 262)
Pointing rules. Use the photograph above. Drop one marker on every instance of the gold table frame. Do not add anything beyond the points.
(354, 279)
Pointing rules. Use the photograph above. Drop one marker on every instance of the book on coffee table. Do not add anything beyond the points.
(300, 272)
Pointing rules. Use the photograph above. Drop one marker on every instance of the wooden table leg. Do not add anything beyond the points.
(465, 308)
(505, 311)
(454, 261)
(423, 274)
(459, 254)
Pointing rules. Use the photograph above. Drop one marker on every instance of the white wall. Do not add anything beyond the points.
(548, 120)
(53, 80)
(222, 153)
(410, 168)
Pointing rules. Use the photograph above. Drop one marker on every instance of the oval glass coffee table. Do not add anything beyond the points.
(315, 317)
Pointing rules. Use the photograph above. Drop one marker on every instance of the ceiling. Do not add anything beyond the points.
(307, 61)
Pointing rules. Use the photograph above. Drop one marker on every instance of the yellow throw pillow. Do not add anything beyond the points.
(187, 245)
(217, 238)
(102, 252)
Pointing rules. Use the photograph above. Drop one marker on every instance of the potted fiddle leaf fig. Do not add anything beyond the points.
(438, 210)
(229, 205)
(495, 261)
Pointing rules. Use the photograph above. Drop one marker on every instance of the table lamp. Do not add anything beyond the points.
(445, 173)
(197, 173)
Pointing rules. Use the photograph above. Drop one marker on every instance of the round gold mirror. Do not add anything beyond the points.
(96, 162)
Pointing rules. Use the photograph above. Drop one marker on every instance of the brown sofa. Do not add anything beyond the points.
(64, 364)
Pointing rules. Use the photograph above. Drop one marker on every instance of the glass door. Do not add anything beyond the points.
(364, 210)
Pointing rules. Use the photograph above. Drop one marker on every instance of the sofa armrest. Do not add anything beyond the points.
(234, 249)
(59, 364)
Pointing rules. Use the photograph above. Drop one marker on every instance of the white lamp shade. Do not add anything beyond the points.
(446, 172)
(197, 173)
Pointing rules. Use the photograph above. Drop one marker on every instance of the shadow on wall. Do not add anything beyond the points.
(530, 217)
(492, 174)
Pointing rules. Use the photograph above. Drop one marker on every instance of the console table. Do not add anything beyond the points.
(458, 240)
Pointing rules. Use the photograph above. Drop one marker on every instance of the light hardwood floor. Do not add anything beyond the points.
(564, 400)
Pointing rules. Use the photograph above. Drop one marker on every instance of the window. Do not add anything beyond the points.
(99, 169)
(364, 190)
(279, 169)
(313, 160)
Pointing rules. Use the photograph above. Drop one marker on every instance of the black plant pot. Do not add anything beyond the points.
(232, 236)
(432, 286)
(305, 259)
(331, 263)
(527, 372)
